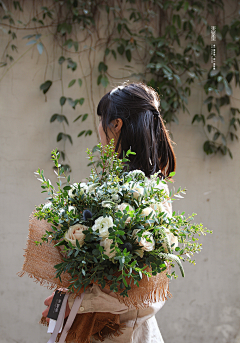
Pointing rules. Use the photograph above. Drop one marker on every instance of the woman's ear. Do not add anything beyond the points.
(117, 125)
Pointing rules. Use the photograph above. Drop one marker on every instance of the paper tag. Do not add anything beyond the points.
(56, 305)
(51, 326)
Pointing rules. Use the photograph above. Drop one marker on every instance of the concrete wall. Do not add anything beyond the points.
(205, 306)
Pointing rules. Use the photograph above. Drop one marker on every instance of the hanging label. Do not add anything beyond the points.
(56, 305)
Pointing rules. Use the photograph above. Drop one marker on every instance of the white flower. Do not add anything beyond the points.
(47, 205)
(106, 244)
(172, 240)
(115, 197)
(72, 208)
(146, 246)
(83, 187)
(74, 233)
(70, 192)
(147, 210)
(137, 191)
(123, 207)
(92, 188)
(103, 224)
(159, 208)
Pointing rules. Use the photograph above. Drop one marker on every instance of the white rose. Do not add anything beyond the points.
(72, 208)
(147, 210)
(106, 244)
(146, 246)
(171, 239)
(123, 207)
(137, 191)
(74, 233)
(103, 224)
(157, 207)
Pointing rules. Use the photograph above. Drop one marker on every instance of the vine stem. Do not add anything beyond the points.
(16, 62)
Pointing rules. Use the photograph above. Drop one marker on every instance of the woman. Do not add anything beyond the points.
(130, 114)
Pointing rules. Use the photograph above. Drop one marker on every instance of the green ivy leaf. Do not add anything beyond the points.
(71, 83)
(129, 55)
(63, 136)
(114, 54)
(99, 79)
(46, 86)
(80, 82)
(121, 49)
(78, 117)
(104, 81)
(81, 133)
(89, 132)
(59, 117)
(85, 117)
(81, 101)
(61, 60)
(102, 67)
(75, 44)
(40, 48)
(62, 100)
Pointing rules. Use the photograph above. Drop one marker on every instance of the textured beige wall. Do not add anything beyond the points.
(205, 306)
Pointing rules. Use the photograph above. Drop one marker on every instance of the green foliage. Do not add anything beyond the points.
(170, 38)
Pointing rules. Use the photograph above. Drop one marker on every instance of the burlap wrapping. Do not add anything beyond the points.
(39, 264)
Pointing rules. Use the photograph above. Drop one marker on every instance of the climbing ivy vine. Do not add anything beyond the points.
(180, 45)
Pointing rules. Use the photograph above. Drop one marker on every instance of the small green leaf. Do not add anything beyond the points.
(45, 86)
(31, 42)
(88, 133)
(121, 49)
(75, 44)
(59, 117)
(62, 100)
(78, 117)
(85, 116)
(102, 67)
(81, 101)
(114, 54)
(61, 60)
(81, 133)
(40, 48)
(104, 81)
(80, 82)
(71, 83)
(99, 79)
(129, 55)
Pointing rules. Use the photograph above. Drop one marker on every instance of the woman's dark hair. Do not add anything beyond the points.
(143, 129)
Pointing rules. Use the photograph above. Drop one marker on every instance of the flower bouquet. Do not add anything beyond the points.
(117, 228)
